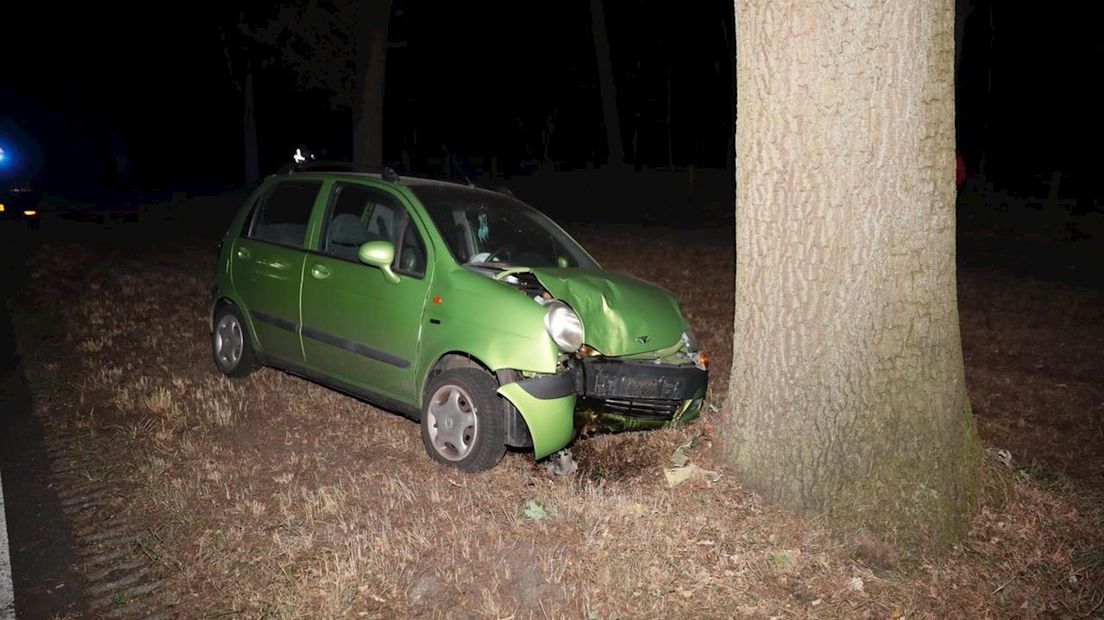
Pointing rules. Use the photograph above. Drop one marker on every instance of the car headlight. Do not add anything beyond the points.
(689, 341)
(564, 326)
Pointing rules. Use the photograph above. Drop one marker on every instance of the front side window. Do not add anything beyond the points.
(485, 229)
(284, 212)
(410, 256)
(360, 214)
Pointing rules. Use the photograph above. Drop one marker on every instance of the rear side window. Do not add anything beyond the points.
(283, 214)
(358, 215)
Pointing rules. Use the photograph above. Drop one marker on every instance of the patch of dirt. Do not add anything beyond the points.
(273, 496)
(1035, 372)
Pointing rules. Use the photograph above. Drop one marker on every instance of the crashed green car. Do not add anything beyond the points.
(462, 308)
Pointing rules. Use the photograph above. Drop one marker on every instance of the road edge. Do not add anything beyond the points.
(7, 591)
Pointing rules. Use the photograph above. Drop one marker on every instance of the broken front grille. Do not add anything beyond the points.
(652, 409)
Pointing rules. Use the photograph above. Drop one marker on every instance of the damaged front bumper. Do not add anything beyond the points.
(612, 395)
(622, 395)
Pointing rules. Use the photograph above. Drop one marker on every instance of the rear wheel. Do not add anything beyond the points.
(230, 344)
(463, 421)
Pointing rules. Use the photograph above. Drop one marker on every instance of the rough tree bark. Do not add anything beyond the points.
(847, 396)
(373, 20)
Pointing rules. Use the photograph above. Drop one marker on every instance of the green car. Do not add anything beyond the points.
(462, 308)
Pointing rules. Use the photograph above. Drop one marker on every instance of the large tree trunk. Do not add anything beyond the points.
(847, 396)
(374, 17)
(606, 88)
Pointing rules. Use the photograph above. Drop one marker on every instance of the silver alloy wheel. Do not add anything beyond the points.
(229, 342)
(453, 424)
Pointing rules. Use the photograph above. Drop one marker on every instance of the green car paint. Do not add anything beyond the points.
(379, 254)
(550, 421)
(382, 331)
(489, 321)
(269, 276)
(622, 315)
(352, 303)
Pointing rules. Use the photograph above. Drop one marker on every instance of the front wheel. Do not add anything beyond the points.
(463, 422)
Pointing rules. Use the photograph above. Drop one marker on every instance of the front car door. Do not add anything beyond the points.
(268, 265)
(358, 327)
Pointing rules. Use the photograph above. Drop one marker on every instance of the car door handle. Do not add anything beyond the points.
(320, 272)
(242, 253)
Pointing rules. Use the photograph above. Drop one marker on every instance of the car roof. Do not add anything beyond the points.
(408, 181)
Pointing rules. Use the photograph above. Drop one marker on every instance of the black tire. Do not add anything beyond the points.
(231, 348)
(466, 400)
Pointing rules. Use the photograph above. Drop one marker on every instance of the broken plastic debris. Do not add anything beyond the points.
(677, 475)
(678, 457)
(534, 510)
(682, 469)
(561, 463)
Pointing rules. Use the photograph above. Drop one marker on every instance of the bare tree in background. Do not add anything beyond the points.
(606, 87)
(240, 69)
(338, 47)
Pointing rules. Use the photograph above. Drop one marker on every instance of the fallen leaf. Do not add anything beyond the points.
(534, 510)
(677, 475)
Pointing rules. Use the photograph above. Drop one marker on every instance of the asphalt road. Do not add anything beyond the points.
(41, 547)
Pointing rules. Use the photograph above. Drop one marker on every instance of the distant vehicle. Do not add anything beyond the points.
(20, 198)
(461, 307)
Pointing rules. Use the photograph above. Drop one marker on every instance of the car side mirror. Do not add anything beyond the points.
(379, 254)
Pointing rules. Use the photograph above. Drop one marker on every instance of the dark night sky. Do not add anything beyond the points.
(86, 79)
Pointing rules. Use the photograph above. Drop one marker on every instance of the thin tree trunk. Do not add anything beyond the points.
(606, 87)
(847, 396)
(963, 8)
(374, 18)
(670, 145)
(251, 159)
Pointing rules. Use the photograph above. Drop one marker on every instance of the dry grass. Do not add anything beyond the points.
(272, 496)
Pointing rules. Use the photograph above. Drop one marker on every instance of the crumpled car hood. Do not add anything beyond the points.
(621, 315)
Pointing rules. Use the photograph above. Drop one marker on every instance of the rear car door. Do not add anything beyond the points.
(268, 265)
(358, 327)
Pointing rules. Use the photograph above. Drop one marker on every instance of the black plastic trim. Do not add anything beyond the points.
(354, 347)
(548, 387)
(272, 319)
(640, 380)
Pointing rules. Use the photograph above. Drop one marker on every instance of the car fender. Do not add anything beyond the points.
(547, 403)
(487, 321)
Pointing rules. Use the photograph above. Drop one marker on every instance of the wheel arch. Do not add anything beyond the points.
(224, 300)
(517, 431)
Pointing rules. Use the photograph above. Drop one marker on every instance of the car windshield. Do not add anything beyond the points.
(487, 229)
